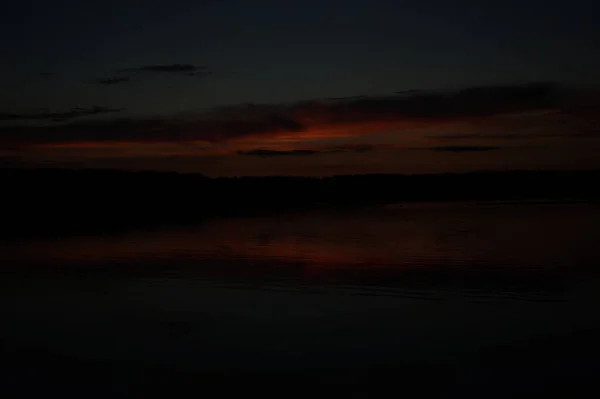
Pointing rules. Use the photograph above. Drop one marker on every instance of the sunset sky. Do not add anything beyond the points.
(300, 87)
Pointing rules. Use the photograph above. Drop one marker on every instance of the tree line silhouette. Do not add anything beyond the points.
(60, 200)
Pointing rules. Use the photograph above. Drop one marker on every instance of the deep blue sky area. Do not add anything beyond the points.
(280, 51)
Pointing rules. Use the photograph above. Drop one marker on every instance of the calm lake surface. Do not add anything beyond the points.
(474, 288)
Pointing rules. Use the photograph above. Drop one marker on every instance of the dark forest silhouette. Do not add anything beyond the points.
(50, 201)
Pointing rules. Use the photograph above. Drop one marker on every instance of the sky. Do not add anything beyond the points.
(228, 87)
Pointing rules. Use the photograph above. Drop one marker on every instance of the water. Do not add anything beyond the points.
(475, 289)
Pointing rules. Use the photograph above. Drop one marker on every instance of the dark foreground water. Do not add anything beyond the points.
(424, 300)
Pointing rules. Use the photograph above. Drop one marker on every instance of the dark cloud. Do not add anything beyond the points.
(113, 80)
(187, 69)
(457, 136)
(468, 103)
(352, 148)
(172, 69)
(473, 102)
(489, 136)
(273, 153)
(150, 130)
(587, 133)
(76, 112)
(326, 150)
(282, 122)
(265, 153)
(260, 121)
(470, 148)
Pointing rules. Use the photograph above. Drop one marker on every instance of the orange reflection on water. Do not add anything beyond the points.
(410, 237)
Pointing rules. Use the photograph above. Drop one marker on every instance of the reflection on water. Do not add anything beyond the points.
(428, 248)
(472, 292)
